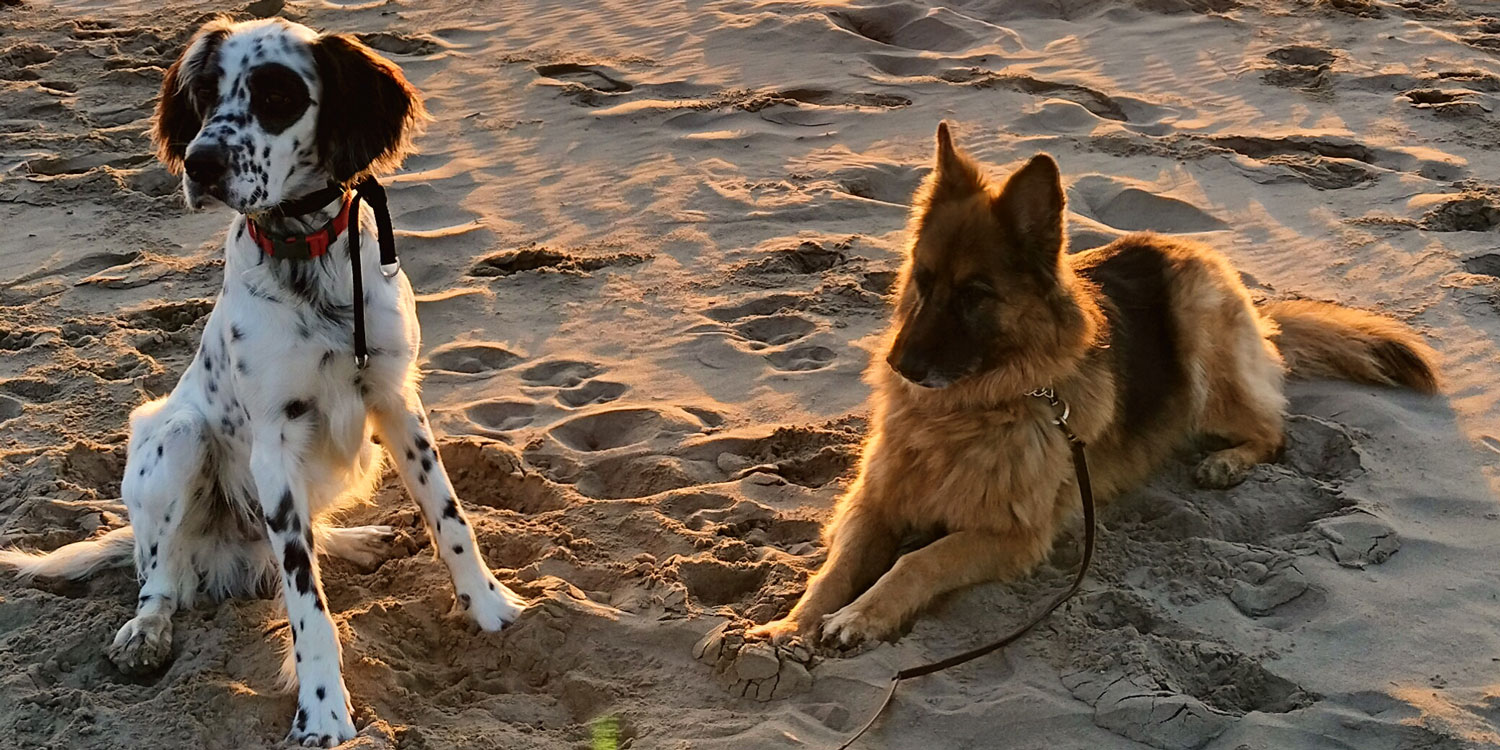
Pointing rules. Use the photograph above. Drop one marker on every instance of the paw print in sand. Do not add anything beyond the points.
(755, 669)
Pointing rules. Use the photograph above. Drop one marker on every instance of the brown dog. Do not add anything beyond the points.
(1150, 340)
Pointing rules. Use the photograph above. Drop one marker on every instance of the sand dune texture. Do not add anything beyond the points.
(654, 244)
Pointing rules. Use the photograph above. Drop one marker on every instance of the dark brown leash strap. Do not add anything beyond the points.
(371, 192)
(1086, 494)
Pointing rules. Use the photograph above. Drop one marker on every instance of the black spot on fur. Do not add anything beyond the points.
(235, 334)
(464, 600)
(322, 693)
(450, 510)
(286, 512)
(422, 444)
(410, 456)
(301, 719)
(152, 551)
(426, 464)
(143, 599)
(298, 565)
(458, 549)
(158, 451)
(492, 585)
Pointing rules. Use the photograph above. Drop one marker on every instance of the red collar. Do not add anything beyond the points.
(301, 247)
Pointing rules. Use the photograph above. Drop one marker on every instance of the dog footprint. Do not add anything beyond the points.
(10, 408)
(775, 330)
(560, 373)
(472, 358)
(400, 44)
(589, 85)
(802, 358)
(606, 430)
(502, 416)
(591, 392)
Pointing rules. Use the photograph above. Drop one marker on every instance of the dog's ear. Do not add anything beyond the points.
(367, 114)
(178, 116)
(1031, 204)
(953, 173)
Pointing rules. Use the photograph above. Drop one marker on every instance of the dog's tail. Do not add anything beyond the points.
(1322, 340)
(75, 560)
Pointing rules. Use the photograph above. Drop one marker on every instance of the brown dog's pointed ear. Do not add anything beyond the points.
(1032, 203)
(953, 172)
(178, 116)
(367, 113)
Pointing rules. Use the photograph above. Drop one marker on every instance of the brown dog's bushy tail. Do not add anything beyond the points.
(1323, 340)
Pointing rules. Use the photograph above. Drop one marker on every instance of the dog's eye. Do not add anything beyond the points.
(975, 294)
(275, 101)
(205, 96)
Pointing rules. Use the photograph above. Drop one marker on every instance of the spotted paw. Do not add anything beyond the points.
(142, 645)
(322, 723)
(755, 668)
(492, 607)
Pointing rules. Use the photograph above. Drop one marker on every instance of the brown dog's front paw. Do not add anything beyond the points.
(852, 626)
(753, 667)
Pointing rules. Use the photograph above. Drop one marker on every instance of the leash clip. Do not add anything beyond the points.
(1061, 420)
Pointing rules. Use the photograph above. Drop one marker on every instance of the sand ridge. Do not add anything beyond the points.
(653, 251)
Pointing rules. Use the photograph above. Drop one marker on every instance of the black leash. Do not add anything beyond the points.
(1086, 494)
(371, 192)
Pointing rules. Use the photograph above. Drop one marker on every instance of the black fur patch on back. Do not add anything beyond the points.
(1142, 335)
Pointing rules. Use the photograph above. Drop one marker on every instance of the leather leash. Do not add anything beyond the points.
(1086, 494)
(371, 192)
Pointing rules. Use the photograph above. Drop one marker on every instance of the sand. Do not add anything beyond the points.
(654, 244)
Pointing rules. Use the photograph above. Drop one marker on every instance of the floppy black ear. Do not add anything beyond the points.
(367, 114)
(1032, 203)
(178, 118)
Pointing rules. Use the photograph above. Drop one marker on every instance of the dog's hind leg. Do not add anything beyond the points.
(164, 471)
(404, 432)
(1244, 402)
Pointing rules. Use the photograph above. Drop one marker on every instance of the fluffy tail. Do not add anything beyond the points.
(75, 560)
(1322, 340)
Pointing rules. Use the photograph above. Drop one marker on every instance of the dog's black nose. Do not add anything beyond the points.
(910, 367)
(206, 166)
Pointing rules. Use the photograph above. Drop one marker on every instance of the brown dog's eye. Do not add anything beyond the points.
(975, 294)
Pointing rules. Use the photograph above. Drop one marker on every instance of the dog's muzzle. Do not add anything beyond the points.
(206, 167)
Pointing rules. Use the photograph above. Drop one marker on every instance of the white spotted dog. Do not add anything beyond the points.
(275, 423)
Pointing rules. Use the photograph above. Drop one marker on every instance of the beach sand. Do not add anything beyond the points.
(653, 245)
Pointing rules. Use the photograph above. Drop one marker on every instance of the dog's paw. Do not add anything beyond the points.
(778, 632)
(492, 607)
(755, 668)
(323, 723)
(852, 626)
(365, 546)
(142, 645)
(1219, 471)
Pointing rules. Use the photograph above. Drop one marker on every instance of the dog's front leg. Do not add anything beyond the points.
(960, 559)
(862, 544)
(404, 432)
(323, 711)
